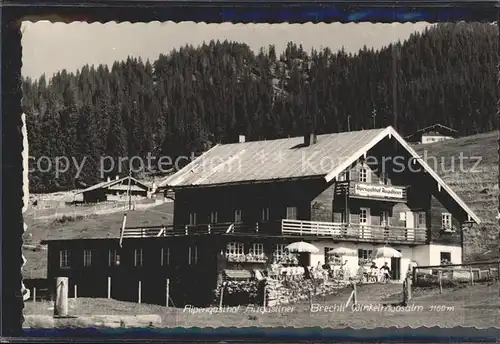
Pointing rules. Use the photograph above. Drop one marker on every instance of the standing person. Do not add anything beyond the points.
(411, 266)
(386, 273)
(373, 272)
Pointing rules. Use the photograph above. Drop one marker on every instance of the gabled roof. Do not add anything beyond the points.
(256, 161)
(390, 132)
(286, 159)
(438, 128)
(108, 184)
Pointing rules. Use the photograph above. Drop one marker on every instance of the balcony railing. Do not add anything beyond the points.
(371, 191)
(201, 229)
(354, 232)
(337, 231)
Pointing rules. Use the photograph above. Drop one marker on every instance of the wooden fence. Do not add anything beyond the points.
(453, 275)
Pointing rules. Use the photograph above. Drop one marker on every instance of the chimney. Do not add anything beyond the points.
(310, 139)
(242, 138)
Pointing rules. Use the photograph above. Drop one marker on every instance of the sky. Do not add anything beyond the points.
(48, 47)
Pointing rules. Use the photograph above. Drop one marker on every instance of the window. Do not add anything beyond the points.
(165, 256)
(265, 214)
(332, 258)
(364, 256)
(445, 258)
(192, 219)
(257, 249)
(237, 216)
(213, 217)
(384, 218)
(446, 220)
(291, 213)
(113, 258)
(235, 249)
(280, 252)
(87, 258)
(364, 214)
(65, 259)
(193, 255)
(138, 257)
(363, 175)
(421, 220)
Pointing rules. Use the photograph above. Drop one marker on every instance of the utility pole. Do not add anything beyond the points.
(129, 192)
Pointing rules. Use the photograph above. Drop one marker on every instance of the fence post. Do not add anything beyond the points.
(139, 292)
(109, 287)
(405, 292)
(61, 302)
(167, 292)
(355, 294)
(409, 285)
(34, 294)
(440, 282)
(471, 276)
(221, 296)
(264, 299)
(76, 288)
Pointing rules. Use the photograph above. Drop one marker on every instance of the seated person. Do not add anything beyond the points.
(386, 272)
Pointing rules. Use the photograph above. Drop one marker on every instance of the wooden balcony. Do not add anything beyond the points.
(355, 232)
(202, 229)
(336, 231)
(393, 193)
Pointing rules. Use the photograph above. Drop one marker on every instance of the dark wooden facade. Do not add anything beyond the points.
(316, 200)
(207, 218)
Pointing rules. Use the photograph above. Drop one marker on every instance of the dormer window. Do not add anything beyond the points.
(363, 175)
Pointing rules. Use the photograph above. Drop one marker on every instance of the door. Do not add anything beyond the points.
(237, 216)
(410, 225)
(304, 259)
(291, 213)
(396, 269)
(364, 223)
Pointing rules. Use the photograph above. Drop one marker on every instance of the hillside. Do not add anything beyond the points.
(195, 97)
(477, 185)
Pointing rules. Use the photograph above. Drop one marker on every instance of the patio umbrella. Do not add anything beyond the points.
(302, 246)
(342, 251)
(387, 252)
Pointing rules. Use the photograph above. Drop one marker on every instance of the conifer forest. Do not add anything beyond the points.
(194, 97)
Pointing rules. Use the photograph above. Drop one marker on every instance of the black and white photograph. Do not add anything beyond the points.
(260, 175)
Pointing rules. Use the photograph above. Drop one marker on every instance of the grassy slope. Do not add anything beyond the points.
(476, 306)
(476, 185)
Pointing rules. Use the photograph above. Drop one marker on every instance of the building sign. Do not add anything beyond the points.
(382, 191)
